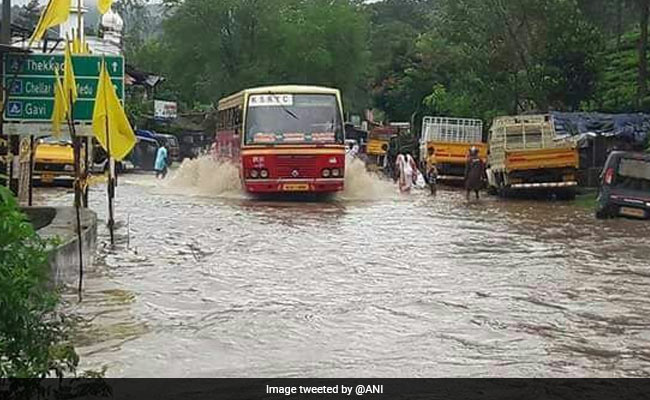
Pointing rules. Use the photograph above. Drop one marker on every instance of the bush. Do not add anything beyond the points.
(33, 335)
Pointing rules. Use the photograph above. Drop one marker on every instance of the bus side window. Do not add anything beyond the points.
(237, 120)
(219, 120)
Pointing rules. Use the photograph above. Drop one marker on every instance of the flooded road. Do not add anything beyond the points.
(217, 285)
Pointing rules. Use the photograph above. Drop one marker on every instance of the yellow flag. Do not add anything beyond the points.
(69, 81)
(104, 5)
(60, 106)
(108, 113)
(55, 13)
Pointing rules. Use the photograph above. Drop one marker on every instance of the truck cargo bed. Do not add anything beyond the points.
(541, 159)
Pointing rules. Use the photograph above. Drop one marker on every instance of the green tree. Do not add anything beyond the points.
(257, 42)
(33, 336)
(29, 14)
(397, 83)
(521, 56)
(138, 23)
(643, 7)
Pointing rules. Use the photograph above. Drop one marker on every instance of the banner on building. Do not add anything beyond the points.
(165, 109)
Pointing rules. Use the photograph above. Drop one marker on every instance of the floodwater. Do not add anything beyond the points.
(205, 282)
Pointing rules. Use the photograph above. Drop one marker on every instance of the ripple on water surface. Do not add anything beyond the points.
(371, 283)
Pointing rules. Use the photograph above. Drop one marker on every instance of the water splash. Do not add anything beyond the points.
(360, 184)
(205, 175)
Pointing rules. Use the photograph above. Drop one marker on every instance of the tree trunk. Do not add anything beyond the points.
(619, 23)
(644, 6)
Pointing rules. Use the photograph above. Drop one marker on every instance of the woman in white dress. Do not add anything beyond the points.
(407, 170)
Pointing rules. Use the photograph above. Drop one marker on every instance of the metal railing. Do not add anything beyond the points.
(449, 129)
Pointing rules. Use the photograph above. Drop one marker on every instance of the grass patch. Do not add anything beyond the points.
(587, 200)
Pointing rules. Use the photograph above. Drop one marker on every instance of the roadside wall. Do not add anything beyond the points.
(64, 260)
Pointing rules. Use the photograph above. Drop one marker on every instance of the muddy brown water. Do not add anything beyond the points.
(371, 284)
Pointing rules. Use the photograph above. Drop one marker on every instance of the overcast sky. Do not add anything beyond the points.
(89, 2)
(21, 2)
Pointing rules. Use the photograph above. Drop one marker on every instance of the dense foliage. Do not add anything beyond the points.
(215, 48)
(33, 336)
(473, 58)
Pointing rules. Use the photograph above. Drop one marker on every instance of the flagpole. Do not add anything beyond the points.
(77, 177)
(111, 187)
(79, 27)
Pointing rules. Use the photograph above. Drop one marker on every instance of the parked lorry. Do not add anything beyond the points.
(527, 155)
(450, 140)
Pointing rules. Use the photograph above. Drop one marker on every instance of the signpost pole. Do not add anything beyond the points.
(31, 169)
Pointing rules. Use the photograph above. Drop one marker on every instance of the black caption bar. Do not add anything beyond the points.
(330, 389)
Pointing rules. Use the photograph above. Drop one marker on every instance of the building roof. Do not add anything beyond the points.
(142, 78)
(11, 49)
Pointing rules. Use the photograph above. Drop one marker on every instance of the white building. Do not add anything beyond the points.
(111, 25)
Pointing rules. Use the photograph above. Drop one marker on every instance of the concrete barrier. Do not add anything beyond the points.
(64, 259)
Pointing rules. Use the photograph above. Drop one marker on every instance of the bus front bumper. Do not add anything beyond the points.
(320, 185)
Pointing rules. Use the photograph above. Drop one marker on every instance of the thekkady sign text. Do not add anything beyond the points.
(30, 79)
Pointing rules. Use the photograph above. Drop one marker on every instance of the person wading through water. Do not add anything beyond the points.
(161, 162)
(432, 170)
(474, 173)
(407, 170)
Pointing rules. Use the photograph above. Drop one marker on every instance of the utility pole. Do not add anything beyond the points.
(5, 34)
(5, 38)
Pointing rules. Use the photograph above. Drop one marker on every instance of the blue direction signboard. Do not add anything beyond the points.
(30, 79)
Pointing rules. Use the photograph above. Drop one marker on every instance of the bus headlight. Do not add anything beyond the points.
(68, 167)
(254, 173)
(264, 173)
(326, 173)
(336, 172)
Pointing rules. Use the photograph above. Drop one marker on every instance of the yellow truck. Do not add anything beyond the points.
(378, 144)
(54, 160)
(451, 139)
(526, 154)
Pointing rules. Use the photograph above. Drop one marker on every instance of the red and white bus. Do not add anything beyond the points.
(284, 138)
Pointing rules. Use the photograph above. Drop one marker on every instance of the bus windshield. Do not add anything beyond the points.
(293, 118)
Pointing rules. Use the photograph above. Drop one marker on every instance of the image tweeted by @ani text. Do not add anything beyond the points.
(335, 389)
